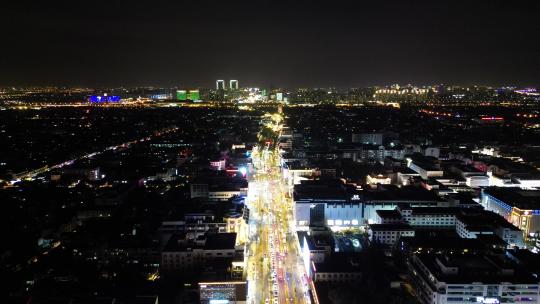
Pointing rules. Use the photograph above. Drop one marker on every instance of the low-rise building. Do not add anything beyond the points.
(181, 253)
(442, 279)
(425, 168)
(389, 234)
(518, 206)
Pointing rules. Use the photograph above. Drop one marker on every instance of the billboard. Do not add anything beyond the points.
(223, 292)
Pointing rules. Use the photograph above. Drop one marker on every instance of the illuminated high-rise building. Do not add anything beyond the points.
(233, 84)
(220, 84)
(181, 95)
(194, 95)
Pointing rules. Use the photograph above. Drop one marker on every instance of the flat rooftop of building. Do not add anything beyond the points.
(407, 193)
(344, 263)
(492, 240)
(442, 242)
(509, 165)
(463, 198)
(323, 189)
(526, 258)
(388, 214)
(479, 220)
(468, 169)
(220, 241)
(475, 268)
(406, 170)
(516, 197)
(390, 227)
(436, 210)
(177, 243)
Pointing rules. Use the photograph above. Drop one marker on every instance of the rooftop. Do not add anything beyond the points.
(323, 189)
(388, 214)
(390, 227)
(474, 268)
(484, 221)
(220, 241)
(436, 210)
(408, 193)
(516, 197)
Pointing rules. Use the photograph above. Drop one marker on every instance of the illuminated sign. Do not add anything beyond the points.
(492, 118)
(485, 300)
(104, 98)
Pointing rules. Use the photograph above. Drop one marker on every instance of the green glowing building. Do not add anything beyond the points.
(194, 95)
(181, 95)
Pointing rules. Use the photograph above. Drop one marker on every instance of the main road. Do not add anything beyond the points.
(275, 268)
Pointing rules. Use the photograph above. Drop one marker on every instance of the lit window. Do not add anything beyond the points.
(339, 222)
(355, 222)
(330, 222)
(346, 223)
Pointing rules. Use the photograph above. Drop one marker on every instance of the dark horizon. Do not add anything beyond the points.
(302, 44)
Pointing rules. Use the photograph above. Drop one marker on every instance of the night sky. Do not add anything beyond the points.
(292, 43)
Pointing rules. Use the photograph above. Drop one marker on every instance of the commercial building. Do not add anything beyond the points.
(518, 206)
(390, 197)
(194, 95)
(473, 225)
(220, 84)
(425, 169)
(295, 172)
(181, 95)
(430, 242)
(322, 262)
(223, 292)
(182, 253)
(194, 225)
(217, 186)
(332, 203)
(338, 205)
(474, 177)
(469, 223)
(236, 223)
(460, 279)
(340, 268)
(437, 217)
(389, 234)
(379, 153)
(233, 84)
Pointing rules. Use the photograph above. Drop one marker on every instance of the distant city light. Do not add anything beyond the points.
(104, 98)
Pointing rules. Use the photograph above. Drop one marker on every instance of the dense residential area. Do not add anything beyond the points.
(192, 202)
